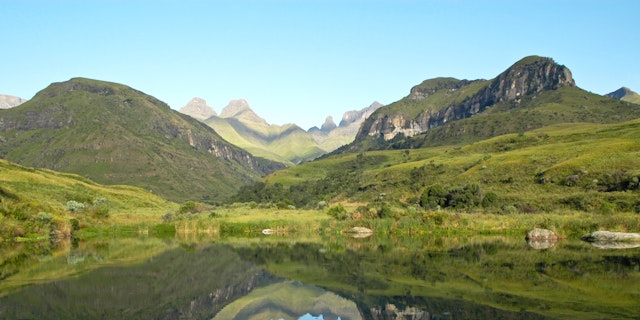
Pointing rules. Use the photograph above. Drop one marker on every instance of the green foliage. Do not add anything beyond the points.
(338, 212)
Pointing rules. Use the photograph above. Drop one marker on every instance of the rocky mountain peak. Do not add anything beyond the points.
(328, 124)
(235, 107)
(359, 115)
(240, 109)
(198, 109)
(7, 101)
(620, 93)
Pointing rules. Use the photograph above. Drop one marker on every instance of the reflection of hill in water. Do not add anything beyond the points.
(175, 284)
(290, 300)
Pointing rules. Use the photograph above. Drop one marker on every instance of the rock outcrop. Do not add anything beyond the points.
(328, 125)
(527, 77)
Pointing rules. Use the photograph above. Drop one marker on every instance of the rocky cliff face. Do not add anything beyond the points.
(198, 109)
(528, 76)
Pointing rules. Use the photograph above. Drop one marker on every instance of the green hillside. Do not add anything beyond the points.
(113, 134)
(576, 166)
(286, 144)
(35, 202)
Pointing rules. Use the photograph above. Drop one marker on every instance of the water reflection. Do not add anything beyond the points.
(345, 278)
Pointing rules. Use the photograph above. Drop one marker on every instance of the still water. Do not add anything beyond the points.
(282, 278)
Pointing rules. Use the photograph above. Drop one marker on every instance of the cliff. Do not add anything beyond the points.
(438, 101)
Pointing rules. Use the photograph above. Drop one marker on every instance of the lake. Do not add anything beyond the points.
(277, 277)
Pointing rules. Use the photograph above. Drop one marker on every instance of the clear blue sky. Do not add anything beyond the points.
(299, 61)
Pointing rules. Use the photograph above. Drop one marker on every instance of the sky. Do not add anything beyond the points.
(298, 61)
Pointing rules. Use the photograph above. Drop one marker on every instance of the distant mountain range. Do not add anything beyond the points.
(7, 101)
(114, 134)
(289, 144)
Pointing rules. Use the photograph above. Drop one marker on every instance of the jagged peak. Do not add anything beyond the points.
(235, 107)
(198, 108)
(328, 124)
(352, 116)
(239, 109)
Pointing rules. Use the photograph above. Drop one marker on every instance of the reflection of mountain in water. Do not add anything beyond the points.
(290, 300)
(177, 284)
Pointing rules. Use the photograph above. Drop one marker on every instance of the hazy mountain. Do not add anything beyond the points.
(240, 125)
(7, 101)
(198, 109)
(114, 134)
(625, 94)
(330, 137)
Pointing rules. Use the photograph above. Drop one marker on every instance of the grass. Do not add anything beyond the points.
(544, 169)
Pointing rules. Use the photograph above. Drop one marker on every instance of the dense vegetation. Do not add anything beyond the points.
(584, 167)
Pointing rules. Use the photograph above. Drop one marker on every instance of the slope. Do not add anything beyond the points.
(114, 134)
(34, 201)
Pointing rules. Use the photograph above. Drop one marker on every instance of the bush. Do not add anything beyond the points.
(44, 216)
(338, 212)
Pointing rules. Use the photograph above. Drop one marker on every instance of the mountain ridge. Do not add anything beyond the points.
(288, 143)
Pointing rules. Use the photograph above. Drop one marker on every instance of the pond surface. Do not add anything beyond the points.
(281, 278)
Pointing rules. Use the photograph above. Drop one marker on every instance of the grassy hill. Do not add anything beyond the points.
(35, 202)
(575, 166)
(287, 144)
(113, 134)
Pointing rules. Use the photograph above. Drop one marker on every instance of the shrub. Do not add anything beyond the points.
(338, 212)
(44, 216)
(74, 206)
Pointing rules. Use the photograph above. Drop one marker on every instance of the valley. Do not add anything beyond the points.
(447, 180)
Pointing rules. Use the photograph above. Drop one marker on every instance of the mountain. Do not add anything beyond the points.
(528, 140)
(625, 94)
(198, 109)
(7, 101)
(240, 125)
(532, 93)
(330, 137)
(114, 134)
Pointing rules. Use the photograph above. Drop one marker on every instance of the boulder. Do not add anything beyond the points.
(541, 238)
(538, 234)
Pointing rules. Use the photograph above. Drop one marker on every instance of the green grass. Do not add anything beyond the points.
(556, 168)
